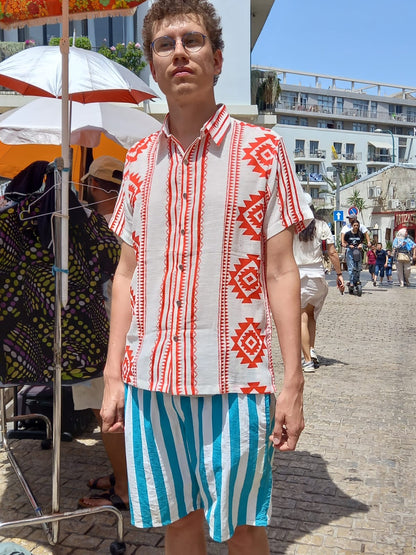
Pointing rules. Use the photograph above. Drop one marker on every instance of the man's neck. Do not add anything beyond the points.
(186, 120)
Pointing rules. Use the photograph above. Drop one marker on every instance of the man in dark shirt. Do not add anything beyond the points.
(353, 240)
(381, 261)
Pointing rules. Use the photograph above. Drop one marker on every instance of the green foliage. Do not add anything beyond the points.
(80, 42)
(267, 89)
(348, 176)
(130, 56)
(357, 201)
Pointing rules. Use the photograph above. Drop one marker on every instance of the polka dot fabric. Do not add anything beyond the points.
(27, 299)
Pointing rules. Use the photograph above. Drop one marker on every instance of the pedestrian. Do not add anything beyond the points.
(404, 251)
(307, 249)
(389, 267)
(207, 212)
(348, 227)
(371, 261)
(381, 262)
(101, 186)
(353, 243)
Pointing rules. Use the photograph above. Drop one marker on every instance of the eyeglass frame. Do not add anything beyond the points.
(175, 42)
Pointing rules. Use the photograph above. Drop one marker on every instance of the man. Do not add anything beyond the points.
(207, 213)
(101, 187)
(353, 243)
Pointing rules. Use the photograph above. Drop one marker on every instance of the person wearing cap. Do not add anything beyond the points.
(307, 249)
(101, 187)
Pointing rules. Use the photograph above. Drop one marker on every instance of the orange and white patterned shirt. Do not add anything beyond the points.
(198, 221)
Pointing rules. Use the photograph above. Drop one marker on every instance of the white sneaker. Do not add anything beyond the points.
(314, 358)
(308, 367)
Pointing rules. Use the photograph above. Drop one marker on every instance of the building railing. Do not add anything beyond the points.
(302, 153)
(347, 156)
(348, 112)
(383, 158)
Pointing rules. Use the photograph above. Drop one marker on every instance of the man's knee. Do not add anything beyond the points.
(192, 520)
(249, 539)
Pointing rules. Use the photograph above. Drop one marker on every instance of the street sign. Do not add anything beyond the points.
(338, 216)
(353, 211)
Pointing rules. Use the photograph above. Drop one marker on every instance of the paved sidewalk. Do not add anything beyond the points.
(349, 488)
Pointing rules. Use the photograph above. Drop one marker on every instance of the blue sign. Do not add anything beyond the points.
(339, 216)
(353, 211)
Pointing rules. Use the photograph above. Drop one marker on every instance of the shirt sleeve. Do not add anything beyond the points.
(287, 205)
(326, 234)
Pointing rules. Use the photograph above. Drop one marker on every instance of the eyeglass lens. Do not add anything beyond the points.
(192, 42)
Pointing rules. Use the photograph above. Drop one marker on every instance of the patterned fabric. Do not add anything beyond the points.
(188, 453)
(27, 288)
(198, 221)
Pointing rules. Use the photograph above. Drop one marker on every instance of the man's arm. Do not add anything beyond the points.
(283, 287)
(112, 409)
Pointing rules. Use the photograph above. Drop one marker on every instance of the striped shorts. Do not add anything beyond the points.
(208, 452)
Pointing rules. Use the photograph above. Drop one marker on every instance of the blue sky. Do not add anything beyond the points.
(365, 39)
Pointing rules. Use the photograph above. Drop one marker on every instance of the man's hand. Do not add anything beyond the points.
(112, 408)
(289, 421)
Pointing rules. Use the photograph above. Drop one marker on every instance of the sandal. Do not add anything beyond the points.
(93, 484)
(110, 496)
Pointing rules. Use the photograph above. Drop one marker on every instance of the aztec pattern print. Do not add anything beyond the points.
(199, 220)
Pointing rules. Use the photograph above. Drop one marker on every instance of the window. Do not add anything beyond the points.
(313, 146)
(289, 99)
(349, 151)
(300, 145)
(359, 126)
(288, 120)
(326, 103)
(373, 109)
(338, 147)
(340, 106)
(339, 125)
(321, 124)
(303, 121)
(360, 107)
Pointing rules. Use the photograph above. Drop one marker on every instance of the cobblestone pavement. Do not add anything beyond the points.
(349, 488)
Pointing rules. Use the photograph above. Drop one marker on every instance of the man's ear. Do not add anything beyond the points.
(152, 69)
(218, 61)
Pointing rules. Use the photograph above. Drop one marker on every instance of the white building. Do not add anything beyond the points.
(334, 123)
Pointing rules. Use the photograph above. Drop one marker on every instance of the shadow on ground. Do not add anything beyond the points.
(305, 498)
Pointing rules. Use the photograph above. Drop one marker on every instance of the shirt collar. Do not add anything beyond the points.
(217, 126)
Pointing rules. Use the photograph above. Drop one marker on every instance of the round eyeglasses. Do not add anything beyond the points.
(191, 42)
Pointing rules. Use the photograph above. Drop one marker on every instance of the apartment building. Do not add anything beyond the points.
(333, 124)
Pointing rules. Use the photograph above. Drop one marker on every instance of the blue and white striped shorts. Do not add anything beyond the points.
(207, 452)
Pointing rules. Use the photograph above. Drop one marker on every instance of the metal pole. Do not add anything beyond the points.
(392, 139)
(337, 202)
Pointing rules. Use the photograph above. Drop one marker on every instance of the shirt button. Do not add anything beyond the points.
(181, 267)
(178, 303)
(185, 196)
(186, 161)
(182, 232)
(175, 338)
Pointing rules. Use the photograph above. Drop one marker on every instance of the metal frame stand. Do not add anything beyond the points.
(51, 531)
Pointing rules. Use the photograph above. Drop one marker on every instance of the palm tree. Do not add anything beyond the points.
(356, 200)
(268, 92)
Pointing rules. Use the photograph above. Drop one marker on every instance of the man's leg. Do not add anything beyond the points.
(186, 536)
(248, 540)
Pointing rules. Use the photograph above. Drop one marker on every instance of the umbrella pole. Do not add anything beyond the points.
(61, 281)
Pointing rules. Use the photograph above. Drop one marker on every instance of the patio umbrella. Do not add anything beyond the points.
(38, 122)
(41, 71)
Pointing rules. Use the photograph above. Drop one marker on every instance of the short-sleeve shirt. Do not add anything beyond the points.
(381, 257)
(353, 239)
(198, 221)
(310, 252)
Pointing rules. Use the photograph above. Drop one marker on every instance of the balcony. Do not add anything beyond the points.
(347, 157)
(347, 113)
(311, 155)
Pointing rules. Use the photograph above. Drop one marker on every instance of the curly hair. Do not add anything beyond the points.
(162, 9)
